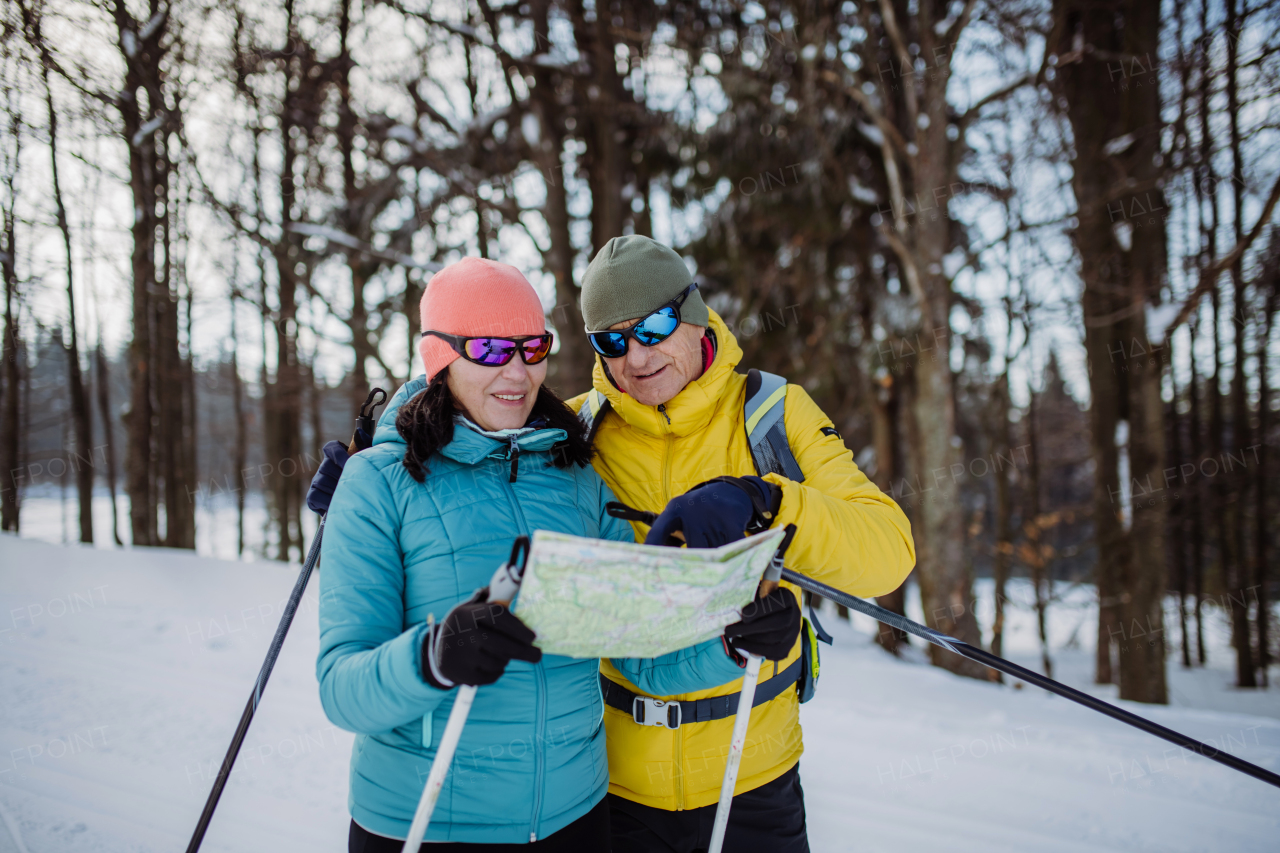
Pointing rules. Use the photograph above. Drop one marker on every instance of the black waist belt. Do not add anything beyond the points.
(671, 714)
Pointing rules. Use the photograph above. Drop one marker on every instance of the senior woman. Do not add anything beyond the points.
(467, 457)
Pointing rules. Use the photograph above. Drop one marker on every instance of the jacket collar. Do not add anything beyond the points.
(693, 407)
(468, 446)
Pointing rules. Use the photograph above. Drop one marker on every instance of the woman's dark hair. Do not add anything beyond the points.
(426, 425)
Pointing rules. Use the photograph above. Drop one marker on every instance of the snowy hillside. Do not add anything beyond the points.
(122, 676)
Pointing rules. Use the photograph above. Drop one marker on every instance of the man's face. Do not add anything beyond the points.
(653, 375)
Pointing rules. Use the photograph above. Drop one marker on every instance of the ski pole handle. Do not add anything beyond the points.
(505, 582)
(365, 422)
(440, 767)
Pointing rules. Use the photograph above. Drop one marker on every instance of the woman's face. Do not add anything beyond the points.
(496, 398)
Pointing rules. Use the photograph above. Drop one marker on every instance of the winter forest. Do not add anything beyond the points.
(1025, 255)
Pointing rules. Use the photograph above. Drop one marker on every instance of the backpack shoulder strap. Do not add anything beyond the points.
(766, 431)
(593, 410)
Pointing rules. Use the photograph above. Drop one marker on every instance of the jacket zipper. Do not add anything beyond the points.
(678, 757)
(541, 720)
(515, 459)
(540, 677)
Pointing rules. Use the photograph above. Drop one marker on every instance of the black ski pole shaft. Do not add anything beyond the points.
(985, 658)
(359, 441)
(286, 619)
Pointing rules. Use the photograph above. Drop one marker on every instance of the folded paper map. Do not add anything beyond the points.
(593, 598)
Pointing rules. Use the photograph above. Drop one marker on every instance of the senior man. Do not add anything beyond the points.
(715, 452)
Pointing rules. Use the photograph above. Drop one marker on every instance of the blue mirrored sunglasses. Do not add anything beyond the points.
(652, 330)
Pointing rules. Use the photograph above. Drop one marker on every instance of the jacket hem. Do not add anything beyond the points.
(709, 797)
(474, 833)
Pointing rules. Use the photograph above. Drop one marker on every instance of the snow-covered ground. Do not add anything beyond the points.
(123, 674)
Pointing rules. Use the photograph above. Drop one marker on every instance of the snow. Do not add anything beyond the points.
(1158, 319)
(123, 674)
(149, 29)
(403, 133)
(146, 130)
(1119, 145)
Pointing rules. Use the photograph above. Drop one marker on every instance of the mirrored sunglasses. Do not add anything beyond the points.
(495, 352)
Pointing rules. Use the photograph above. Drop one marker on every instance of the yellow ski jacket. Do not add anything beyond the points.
(849, 534)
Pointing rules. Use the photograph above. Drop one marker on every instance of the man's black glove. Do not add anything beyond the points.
(769, 626)
(717, 512)
(473, 644)
(327, 476)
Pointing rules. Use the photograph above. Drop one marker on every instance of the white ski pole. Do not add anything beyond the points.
(740, 723)
(742, 719)
(440, 767)
(502, 588)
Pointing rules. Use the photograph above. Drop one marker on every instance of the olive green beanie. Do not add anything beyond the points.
(633, 276)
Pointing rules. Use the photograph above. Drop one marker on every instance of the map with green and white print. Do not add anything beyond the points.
(591, 598)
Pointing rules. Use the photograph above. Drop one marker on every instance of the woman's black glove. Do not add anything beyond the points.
(473, 644)
(717, 512)
(769, 626)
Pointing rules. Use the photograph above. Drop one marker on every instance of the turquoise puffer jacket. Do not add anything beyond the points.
(532, 755)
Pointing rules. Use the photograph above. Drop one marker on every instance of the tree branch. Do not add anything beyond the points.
(1209, 275)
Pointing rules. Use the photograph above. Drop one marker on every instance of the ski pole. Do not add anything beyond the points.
(251, 707)
(501, 589)
(985, 658)
(364, 420)
(902, 623)
(746, 699)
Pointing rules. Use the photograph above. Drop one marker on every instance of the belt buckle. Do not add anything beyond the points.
(648, 711)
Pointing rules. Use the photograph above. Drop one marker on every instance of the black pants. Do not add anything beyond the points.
(587, 834)
(769, 819)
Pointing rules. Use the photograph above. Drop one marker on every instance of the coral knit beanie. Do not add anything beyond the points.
(473, 298)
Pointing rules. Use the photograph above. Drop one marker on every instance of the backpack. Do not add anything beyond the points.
(767, 437)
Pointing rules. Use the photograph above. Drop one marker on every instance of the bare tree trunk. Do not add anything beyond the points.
(282, 400)
(1178, 516)
(1198, 498)
(1121, 267)
(190, 469)
(143, 84)
(884, 411)
(1035, 548)
(9, 418)
(570, 370)
(176, 466)
(1004, 517)
(1260, 493)
(1238, 490)
(944, 576)
(356, 261)
(601, 103)
(103, 380)
(80, 413)
(239, 450)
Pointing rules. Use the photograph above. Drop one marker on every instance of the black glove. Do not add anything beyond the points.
(717, 512)
(769, 626)
(326, 477)
(473, 644)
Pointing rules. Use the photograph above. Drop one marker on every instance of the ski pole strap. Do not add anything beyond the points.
(618, 509)
(362, 438)
(672, 714)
